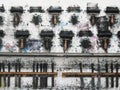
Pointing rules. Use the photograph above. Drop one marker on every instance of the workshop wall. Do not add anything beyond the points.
(90, 41)
(10, 43)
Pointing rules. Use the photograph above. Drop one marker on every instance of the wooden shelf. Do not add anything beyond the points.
(46, 54)
(29, 73)
(88, 74)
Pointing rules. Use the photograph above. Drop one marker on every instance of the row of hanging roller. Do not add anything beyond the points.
(102, 23)
(65, 38)
(56, 11)
(97, 72)
(40, 71)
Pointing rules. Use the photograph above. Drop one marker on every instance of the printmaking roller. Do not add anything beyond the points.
(118, 35)
(112, 11)
(54, 11)
(22, 36)
(74, 19)
(2, 9)
(73, 9)
(104, 33)
(85, 43)
(104, 39)
(1, 36)
(92, 10)
(47, 37)
(36, 9)
(66, 39)
(36, 19)
(17, 11)
(85, 33)
(1, 20)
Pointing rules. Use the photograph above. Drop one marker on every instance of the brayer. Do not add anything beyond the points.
(36, 9)
(112, 11)
(66, 39)
(104, 33)
(1, 36)
(47, 38)
(17, 11)
(73, 9)
(92, 10)
(22, 35)
(55, 11)
(2, 9)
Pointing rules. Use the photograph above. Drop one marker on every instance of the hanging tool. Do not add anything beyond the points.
(74, 19)
(85, 43)
(118, 35)
(2, 9)
(85, 33)
(16, 19)
(107, 78)
(36, 9)
(34, 76)
(19, 76)
(41, 70)
(9, 67)
(66, 37)
(1, 20)
(104, 33)
(117, 77)
(37, 68)
(43, 79)
(55, 11)
(36, 19)
(81, 78)
(47, 37)
(0, 75)
(15, 75)
(73, 9)
(99, 77)
(22, 36)
(112, 11)
(93, 11)
(17, 65)
(52, 66)
(45, 67)
(17, 11)
(112, 78)
(93, 80)
(2, 34)
(4, 76)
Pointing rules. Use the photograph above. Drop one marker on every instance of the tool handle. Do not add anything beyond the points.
(65, 45)
(54, 19)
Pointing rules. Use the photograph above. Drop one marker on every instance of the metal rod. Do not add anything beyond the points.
(107, 78)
